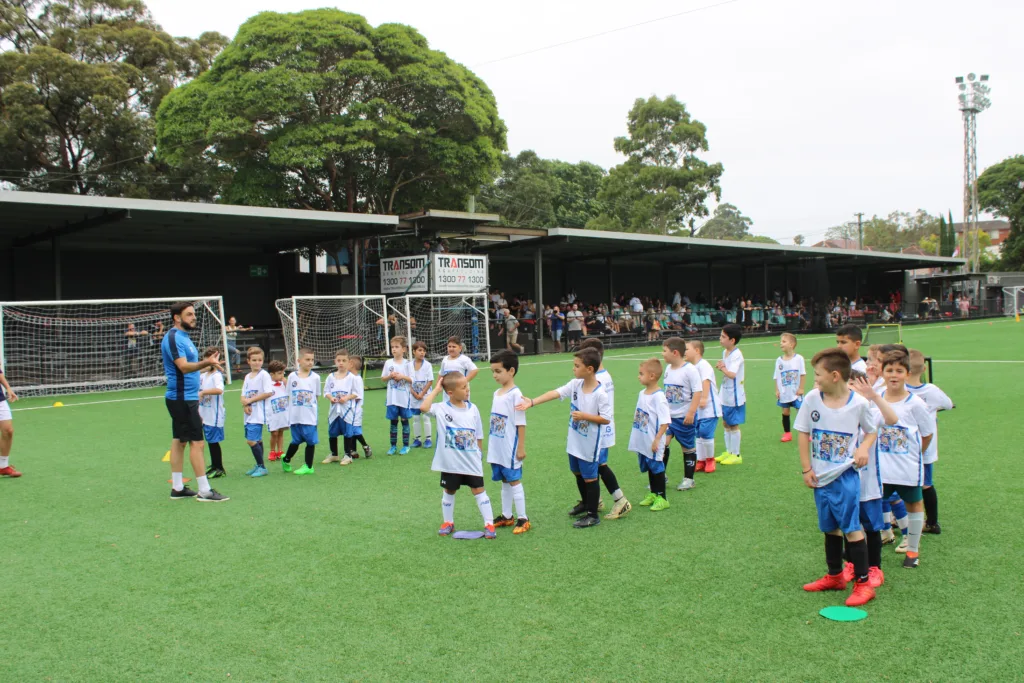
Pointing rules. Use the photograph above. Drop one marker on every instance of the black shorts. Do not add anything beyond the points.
(452, 482)
(186, 425)
(574, 335)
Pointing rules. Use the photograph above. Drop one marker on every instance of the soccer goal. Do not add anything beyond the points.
(328, 323)
(433, 318)
(1013, 301)
(50, 348)
(883, 333)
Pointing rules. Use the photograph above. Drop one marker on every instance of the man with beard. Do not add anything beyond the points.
(182, 366)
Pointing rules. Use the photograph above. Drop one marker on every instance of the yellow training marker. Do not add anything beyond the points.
(58, 404)
(167, 457)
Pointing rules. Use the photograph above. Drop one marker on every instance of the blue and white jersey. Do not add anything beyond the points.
(860, 366)
(788, 377)
(355, 418)
(605, 378)
(898, 446)
(459, 433)
(712, 408)
(277, 407)
(422, 378)
(180, 386)
(733, 394)
(461, 364)
(651, 413)
(680, 385)
(302, 398)
(503, 438)
(211, 407)
(833, 432)
(337, 387)
(936, 400)
(398, 393)
(585, 438)
(254, 385)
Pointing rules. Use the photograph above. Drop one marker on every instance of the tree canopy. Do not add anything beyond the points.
(1001, 191)
(899, 230)
(320, 110)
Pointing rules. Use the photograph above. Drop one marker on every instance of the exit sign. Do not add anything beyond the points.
(259, 271)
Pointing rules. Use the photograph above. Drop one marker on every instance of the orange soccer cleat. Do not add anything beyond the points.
(829, 582)
(862, 594)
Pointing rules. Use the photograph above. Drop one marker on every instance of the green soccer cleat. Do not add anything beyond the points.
(723, 456)
(285, 466)
(660, 504)
(304, 470)
(733, 460)
(649, 499)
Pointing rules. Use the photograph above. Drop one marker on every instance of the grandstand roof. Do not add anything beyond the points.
(87, 222)
(588, 245)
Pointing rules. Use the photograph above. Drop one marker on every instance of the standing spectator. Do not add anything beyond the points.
(512, 332)
(557, 326)
(574, 326)
(965, 307)
(132, 339)
(232, 330)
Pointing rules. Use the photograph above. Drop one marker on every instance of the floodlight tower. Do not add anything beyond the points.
(973, 100)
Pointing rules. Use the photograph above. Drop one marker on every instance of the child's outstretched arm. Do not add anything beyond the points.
(528, 403)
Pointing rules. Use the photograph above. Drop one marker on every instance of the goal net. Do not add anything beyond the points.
(52, 348)
(328, 323)
(1013, 301)
(433, 318)
(889, 333)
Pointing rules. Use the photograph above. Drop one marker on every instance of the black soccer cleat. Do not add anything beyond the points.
(216, 474)
(367, 452)
(183, 494)
(212, 497)
(910, 562)
(586, 521)
(932, 529)
(579, 509)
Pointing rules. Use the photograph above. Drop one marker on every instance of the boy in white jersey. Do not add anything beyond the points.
(790, 371)
(397, 371)
(460, 444)
(902, 442)
(506, 446)
(356, 368)
(733, 395)
(828, 424)
(457, 361)
(894, 512)
(709, 409)
(849, 338)
(212, 412)
(303, 390)
(683, 389)
(7, 395)
(277, 409)
(422, 380)
(256, 389)
(340, 392)
(590, 409)
(621, 506)
(647, 438)
(936, 400)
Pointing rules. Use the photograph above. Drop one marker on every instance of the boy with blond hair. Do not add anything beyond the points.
(937, 401)
(256, 389)
(683, 390)
(710, 408)
(647, 438)
(790, 371)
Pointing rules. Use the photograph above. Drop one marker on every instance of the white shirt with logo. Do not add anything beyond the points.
(503, 439)
(605, 378)
(302, 395)
(421, 379)
(712, 408)
(680, 385)
(936, 400)
(459, 433)
(733, 393)
(398, 391)
(254, 386)
(788, 374)
(338, 387)
(277, 406)
(584, 438)
(833, 432)
(898, 447)
(651, 413)
(211, 407)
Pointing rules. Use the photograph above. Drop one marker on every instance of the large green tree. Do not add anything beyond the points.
(663, 185)
(320, 110)
(728, 223)
(544, 193)
(1001, 191)
(80, 82)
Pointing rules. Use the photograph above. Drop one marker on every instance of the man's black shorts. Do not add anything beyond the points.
(452, 482)
(186, 425)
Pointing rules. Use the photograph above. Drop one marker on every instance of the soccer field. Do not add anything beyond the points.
(342, 576)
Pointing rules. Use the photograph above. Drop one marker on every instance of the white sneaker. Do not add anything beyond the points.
(346, 460)
(902, 548)
(888, 536)
(620, 509)
(330, 459)
(686, 485)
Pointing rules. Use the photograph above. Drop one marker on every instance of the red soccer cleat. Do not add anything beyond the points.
(699, 467)
(829, 582)
(446, 529)
(10, 472)
(875, 577)
(862, 594)
(709, 466)
(848, 572)
(787, 437)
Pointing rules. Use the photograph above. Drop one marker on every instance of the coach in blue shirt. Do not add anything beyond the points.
(182, 366)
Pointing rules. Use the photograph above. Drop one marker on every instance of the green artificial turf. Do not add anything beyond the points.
(341, 576)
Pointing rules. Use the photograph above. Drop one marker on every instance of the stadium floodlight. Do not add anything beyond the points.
(973, 99)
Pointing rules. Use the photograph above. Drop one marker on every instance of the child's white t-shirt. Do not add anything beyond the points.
(898, 446)
(733, 394)
(303, 393)
(936, 400)
(355, 417)
(584, 438)
(680, 385)
(651, 412)
(338, 387)
(277, 407)
(859, 366)
(787, 377)
(254, 386)
(398, 393)
(460, 432)
(422, 378)
(712, 408)
(608, 437)
(833, 432)
(461, 364)
(211, 407)
(503, 439)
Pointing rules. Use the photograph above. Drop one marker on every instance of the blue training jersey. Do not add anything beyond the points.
(180, 386)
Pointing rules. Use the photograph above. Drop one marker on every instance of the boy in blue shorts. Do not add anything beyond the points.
(256, 389)
(709, 409)
(647, 438)
(339, 391)
(937, 401)
(620, 505)
(733, 395)
(303, 390)
(397, 371)
(789, 376)
(506, 446)
(683, 389)
(212, 412)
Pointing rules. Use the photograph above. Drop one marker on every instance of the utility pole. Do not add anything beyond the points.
(973, 100)
(860, 231)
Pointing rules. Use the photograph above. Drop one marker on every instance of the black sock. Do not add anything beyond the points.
(859, 556)
(360, 439)
(931, 505)
(333, 441)
(689, 464)
(310, 450)
(293, 448)
(216, 457)
(834, 554)
(257, 453)
(664, 456)
(582, 486)
(658, 482)
(608, 477)
(874, 548)
(593, 496)
(394, 432)
(349, 445)
(785, 423)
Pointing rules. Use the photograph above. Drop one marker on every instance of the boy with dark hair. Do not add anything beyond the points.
(936, 400)
(212, 412)
(506, 447)
(849, 338)
(683, 389)
(340, 392)
(397, 371)
(709, 410)
(621, 506)
(355, 364)
(277, 409)
(303, 390)
(650, 425)
(422, 381)
(590, 410)
(733, 395)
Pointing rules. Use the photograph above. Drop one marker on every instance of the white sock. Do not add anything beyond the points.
(903, 523)
(448, 507)
(426, 426)
(618, 495)
(887, 516)
(728, 441)
(484, 503)
(204, 484)
(4, 459)
(736, 441)
(914, 537)
(416, 425)
(177, 483)
(702, 450)
(710, 446)
(506, 500)
(520, 497)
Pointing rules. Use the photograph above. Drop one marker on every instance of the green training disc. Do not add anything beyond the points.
(838, 613)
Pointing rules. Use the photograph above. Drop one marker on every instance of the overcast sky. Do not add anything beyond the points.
(817, 109)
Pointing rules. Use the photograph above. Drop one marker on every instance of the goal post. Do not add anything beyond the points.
(883, 333)
(50, 348)
(433, 318)
(1013, 301)
(328, 323)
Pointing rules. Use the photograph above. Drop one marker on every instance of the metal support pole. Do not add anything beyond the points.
(538, 286)
(860, 231)
(611, 284)
(764, 268)
(356, 265)
(55, 252)
(711, 286)
(312, 265)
